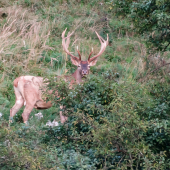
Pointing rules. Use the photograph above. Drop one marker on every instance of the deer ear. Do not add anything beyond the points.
(93, 62)
(74, 61)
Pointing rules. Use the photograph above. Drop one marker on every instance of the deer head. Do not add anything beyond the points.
(83, 66)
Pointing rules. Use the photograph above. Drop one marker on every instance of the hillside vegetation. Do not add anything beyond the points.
(118, 119)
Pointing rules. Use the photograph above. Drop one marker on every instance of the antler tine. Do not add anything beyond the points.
(90, 54)
(103, 46)
(66, 43)
(79, 53)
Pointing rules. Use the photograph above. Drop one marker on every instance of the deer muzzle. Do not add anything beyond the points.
(84, 72)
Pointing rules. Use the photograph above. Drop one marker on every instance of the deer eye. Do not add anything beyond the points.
(88, 67)
(78, 65)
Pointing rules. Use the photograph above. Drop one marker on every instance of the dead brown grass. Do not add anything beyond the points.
(22, 37)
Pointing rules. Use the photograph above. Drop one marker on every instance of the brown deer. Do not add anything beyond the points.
(28, 88)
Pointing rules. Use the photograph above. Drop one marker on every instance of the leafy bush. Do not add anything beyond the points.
(104, 120)
(157, 135)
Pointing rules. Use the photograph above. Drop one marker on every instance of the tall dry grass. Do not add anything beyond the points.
(22, 37)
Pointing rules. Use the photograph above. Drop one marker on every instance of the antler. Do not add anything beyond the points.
(102, 49)
(90, 54)
(66, 42)
(79, 53)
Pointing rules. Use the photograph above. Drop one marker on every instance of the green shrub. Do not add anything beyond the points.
(104, 120)
(150, 18)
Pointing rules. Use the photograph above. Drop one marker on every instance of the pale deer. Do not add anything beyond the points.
(28, 88)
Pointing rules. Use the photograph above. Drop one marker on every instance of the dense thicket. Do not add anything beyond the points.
(116, 125)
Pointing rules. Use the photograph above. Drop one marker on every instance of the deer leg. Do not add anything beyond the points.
(63, 118)
(27, 111)
(18, 104)
(31, 97)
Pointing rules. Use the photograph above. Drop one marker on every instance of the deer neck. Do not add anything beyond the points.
(77, 76)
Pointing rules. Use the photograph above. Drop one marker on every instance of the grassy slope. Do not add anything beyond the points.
(30, 41)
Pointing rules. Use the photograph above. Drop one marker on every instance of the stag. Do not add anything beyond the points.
(28, 89)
